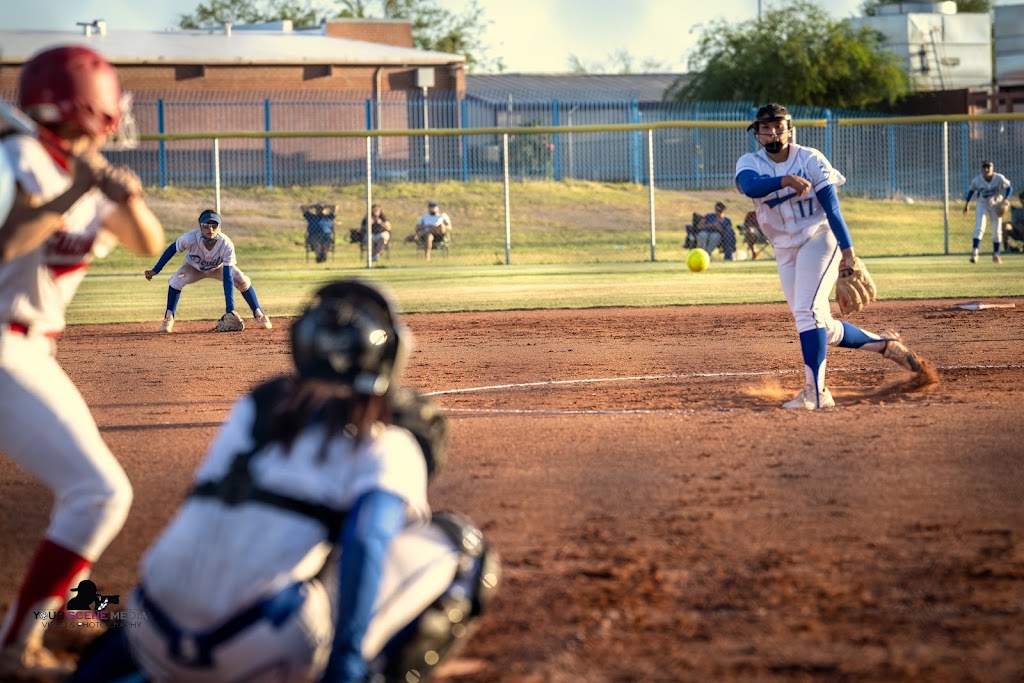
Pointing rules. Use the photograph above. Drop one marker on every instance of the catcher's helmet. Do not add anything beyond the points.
(769, 113)
(72, 84)
(349, 334)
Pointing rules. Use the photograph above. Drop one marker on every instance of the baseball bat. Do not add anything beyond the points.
(18, 120)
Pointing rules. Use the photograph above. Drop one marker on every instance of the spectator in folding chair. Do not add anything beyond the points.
(1013, 227)
(433, 229)
(716, 231)
(381, 229)
(319, 228)
(753, 236)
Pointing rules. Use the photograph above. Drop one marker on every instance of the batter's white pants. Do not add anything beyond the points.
(47, 429)
(186, 275)
(983, 213)
(808, 273)
(422, 563)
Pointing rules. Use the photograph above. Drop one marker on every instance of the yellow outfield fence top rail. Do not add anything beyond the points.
(533, 130)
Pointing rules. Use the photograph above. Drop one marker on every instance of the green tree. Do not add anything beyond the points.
(870, 7)
(796, 54)
(433, 27)
(216, 12)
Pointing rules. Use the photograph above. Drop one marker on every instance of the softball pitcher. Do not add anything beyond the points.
(209, 253)
(794, 193)
(992, 189)
(246, 583)
(69, 208)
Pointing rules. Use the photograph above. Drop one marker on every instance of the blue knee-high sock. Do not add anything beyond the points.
(995, 247)
(854, 337)
(814, 345)
(975, 244)
(172, 299)
(250, 298)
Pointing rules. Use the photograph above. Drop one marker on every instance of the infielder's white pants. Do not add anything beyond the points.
(984, 213)
(46, 427)
(422, 563)
(186, 275)
(808, 273)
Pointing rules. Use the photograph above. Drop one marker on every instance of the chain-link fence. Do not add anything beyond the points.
(677, 158)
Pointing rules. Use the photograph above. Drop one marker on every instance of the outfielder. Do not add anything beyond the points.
(209, 254)
(794, 193)
(245, 583)
(994, 192)
(69, 208)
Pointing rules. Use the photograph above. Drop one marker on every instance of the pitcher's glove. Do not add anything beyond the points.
(229, 322)
(1002, 208)
(855, 288)
(413, 411)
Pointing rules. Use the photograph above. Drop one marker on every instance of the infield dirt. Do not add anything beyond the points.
(658, 516)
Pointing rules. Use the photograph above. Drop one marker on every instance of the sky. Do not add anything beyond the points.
(532, 36)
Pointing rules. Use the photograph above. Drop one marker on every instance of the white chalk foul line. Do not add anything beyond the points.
(688, 375)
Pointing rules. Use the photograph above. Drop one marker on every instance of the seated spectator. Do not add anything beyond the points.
(319, 228)
(433, 227)
(1013, 228)
(752, 234)
(381, 230)
(715, 231)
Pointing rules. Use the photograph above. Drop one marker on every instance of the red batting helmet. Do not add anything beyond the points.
(71, 84)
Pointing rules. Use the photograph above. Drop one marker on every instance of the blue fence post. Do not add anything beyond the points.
(268, 166)
(891, 132)
(464, 116)
(634, 108)
(965, 136)
(556, 153)
(162, 146)
(829, 122)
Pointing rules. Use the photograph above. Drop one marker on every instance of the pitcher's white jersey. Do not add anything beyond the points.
(35, 288)
(786, 219)
(214, 560)
(989, 192)
(201, 258)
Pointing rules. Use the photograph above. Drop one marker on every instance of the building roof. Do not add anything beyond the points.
(209, 47)
(585, 87)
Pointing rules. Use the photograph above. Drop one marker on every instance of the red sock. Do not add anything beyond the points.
(48, 579)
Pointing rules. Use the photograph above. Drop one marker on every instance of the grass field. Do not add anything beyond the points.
(575, 245)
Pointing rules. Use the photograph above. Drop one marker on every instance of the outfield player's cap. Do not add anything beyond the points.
(431, 204)
(986, 164)
(719, 206)
(209, 216)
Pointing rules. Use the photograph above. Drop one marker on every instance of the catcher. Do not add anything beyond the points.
(993, 204)
(306, 550)
(209, 253)
(798, 212)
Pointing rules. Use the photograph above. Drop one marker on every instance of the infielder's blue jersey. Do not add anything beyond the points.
(201, 258)
(990, 192)
(786, 219)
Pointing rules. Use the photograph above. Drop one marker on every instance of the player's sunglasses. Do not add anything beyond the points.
(211, 225)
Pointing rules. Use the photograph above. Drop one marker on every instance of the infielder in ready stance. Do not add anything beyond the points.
(794, 193)
(70, 207)
(246, 584)
(209, 253)
(994, 192)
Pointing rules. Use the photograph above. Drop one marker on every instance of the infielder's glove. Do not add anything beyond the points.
(855, 288)
(1002, 208)
(229, 322)
(413, 411)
